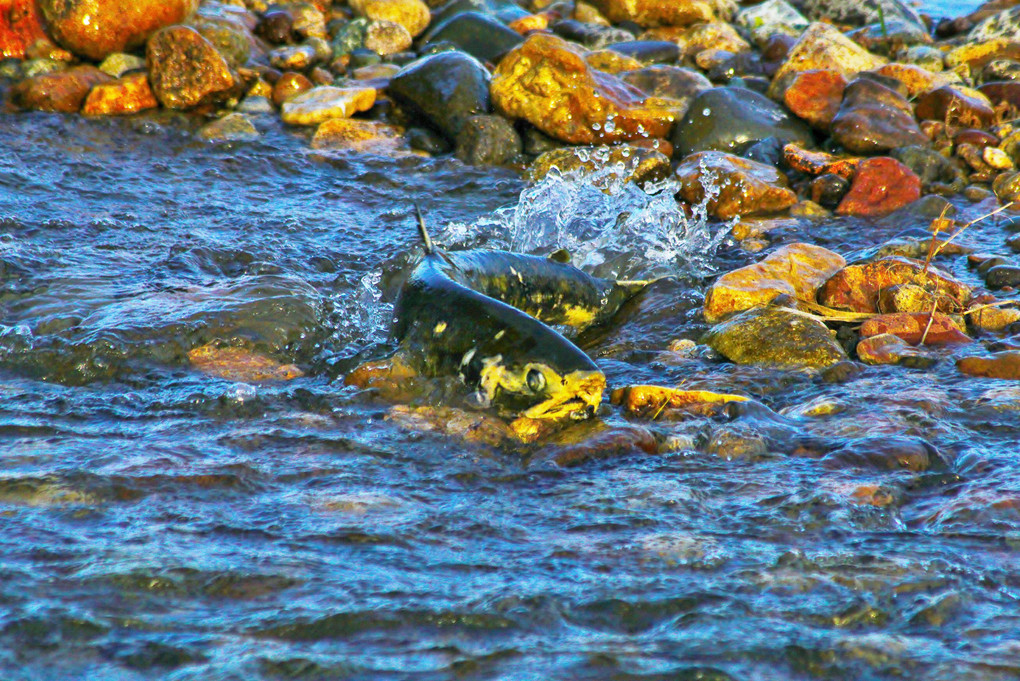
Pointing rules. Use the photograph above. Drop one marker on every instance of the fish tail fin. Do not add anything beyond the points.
(425, 238)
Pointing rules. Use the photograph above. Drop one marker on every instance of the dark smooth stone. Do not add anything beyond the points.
(590, 35)
(768, 151)
(828, 190)
(445, 89)
(649, 51)
(478, 34)
(743, 65)
(732, 119)
(874, 118)
(276, 27)
(930, 166)
(503, 10)
(1001, 276)
(994, 261)
(1010, 224)
(1002, 91)
(537, 142)
(429, 141)
(673, 82)
(488, 140)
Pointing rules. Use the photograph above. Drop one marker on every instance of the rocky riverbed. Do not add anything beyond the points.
(805, 464)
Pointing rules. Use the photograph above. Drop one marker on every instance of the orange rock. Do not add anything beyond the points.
(289, 84)
(96, 28)
(910, 327)
(126, 95)
(880, 186)
(955, 106)
(360, 135)
(857, 287)
(532, 22)
(795, 270)
(661, 12)
(470, 426)
(997, 365)
(647, 401)
(815, 96)
(547, 82)
(62, 91)
(392, 379)
(238, 364)
(745, 187)
(822, 46)
(20, 27)
(819, 162)
(915, 79)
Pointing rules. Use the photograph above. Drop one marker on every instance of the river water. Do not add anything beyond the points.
(159, 522)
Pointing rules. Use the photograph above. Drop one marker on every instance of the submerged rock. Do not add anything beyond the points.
(445, 89)
(652, 401)
(796, 270)
(777, 338)
(887, 348)
(96, 28)
(734, 118)
(643, 165)
(547, 82)
(735, 186)
(359, 135)
(326, 101)
(234, 127)
(1004, 364)
(241, 365)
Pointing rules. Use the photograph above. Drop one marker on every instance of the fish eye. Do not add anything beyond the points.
(536, 380)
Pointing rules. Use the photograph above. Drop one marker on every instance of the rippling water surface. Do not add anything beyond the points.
(158, 522)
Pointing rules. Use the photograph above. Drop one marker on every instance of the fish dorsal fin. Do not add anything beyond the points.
(561, 255)
(425, 239)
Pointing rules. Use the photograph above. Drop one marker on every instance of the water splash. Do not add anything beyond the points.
(612, 227)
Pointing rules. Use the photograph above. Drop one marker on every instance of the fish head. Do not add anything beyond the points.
(540, 390)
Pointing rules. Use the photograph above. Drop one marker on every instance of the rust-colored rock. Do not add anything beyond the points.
(822, 46)
(956, 106)
(820, 162)
(880, 186)
(62, 91)
(650, 13)
(857, 287)
(547, 82)
(126, 95)
(745, 187)
(997, 365)
(185, 70)
(650, 401)
(20, 27)
(887, 348)
(96, 28)
(815, 96)
(239, 364)
(910, 327)
(796, 270)
(289, 84)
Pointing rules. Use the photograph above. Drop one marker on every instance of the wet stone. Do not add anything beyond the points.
(20, 28)
(234, 127)
(815, 96)
(1005, 365)
(931, 167)
(186, 70)
(672, 82)
(767, 19)
(321, 103)
(744, 187)
(874, 118)
(61, 91)
(643, 165)
(590, 35)
(480, 35)
(880, 186)
(894, 452)
(289, 84)
(240, 364)
(487, 140)
(935, 329)
(829, 189)
(777, 338)
(126, 95)
(611, 62)
(413, 15)
(823, 47)
(891, 349)
(648, 52)
(955, 106)
(860, 13)
(546, 82)
(292, 57)
(119, 63)
(649, 13)
(95, 28)
(732, 119)
(445, 89)
(363, 136)
(1002, 276)
(350, 37)
(856, 287)
(276, 27)
(1005, 24)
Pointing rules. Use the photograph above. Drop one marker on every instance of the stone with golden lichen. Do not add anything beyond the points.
(471, 426)
(358, 135)
(326, 101)
(777, 338)
(648, 401)
(95, 28)
(20, 27)
(413, 15)
(915, 79)
(185, 70)
(664, 12)
(547, 82)
(820, 162)
(62, 91)
(856, 287)
(126, 95)
(796, 270)
(717, 35)
(644, 165)
(994, 318)
(745, 187)
(240, 364)
(888, 348)
(610, 61)
(976, 54)
(822, 46)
